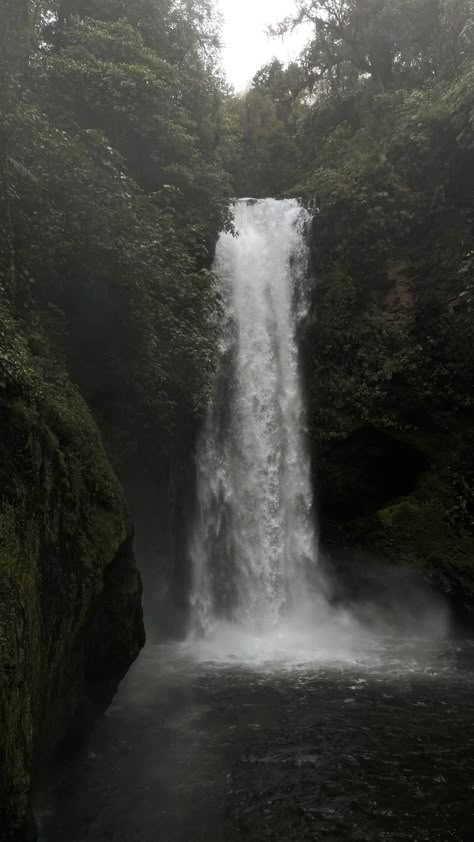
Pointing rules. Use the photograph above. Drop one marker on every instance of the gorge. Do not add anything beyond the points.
(276, 713)
(253, 415)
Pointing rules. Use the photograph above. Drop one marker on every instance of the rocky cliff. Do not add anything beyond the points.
(70, 592)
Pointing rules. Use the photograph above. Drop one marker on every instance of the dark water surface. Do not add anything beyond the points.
(376, 747)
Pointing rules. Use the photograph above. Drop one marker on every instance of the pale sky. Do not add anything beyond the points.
(246, 45)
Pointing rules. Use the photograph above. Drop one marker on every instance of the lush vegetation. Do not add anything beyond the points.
(120, 147)
(379, 118)
(114, 191)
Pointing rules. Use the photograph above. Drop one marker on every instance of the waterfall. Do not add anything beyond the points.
(254, 536)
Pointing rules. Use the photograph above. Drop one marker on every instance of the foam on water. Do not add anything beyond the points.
(285, 645)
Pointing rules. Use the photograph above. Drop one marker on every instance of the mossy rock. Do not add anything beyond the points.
(404, 497)
(65, 557)
(417, 530)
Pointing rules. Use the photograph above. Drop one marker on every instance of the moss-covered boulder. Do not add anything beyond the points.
(70, 592)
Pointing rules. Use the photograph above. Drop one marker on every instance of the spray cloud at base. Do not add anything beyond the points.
(257, 587)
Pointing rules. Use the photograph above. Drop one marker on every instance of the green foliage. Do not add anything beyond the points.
(282, 84)
(112, 191)
(384, 140)
(16, 372)
(392, 347)
(433, 529)
(260, 153)
(391, 43)
(104, 78)
(360, 362)
(113, 198)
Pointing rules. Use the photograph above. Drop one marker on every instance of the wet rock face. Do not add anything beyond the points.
(70, 592)
(365, 471)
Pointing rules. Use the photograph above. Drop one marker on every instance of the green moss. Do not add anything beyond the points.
(406, 496)
(62, 522)
(417, 531)
(108, 530)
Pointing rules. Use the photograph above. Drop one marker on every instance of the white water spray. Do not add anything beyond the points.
(255, 537)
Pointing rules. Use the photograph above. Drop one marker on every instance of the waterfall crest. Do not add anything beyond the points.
(254, 536)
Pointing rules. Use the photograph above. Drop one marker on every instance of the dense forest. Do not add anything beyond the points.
(121, 149)
(112, 194)
(375, 126)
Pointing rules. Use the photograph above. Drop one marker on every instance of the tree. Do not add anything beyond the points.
(115, 195)
(263, 156)
(283, 84)
(455, 42)
(390, 42)
(161, 107)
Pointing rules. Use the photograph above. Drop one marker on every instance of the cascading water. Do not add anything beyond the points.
(259, 728)
(255, 537)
